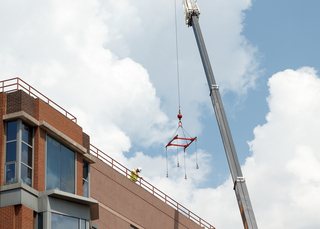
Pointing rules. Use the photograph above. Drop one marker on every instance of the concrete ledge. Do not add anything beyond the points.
(22, 115)
(93, 204)
(19, 193)
(90, 158)
(62, 137)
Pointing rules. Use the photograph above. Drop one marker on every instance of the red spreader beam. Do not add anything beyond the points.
(181, 145)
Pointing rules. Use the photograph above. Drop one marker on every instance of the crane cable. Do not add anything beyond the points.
(177, 51)
(178, 73)
(179, 116)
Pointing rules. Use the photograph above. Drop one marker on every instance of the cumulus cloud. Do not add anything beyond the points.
(282, 174)
(286, 156)
(57, 46)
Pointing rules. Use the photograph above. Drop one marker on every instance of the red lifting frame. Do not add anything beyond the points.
(177, 138)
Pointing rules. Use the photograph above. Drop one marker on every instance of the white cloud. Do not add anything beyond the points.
(283, 172)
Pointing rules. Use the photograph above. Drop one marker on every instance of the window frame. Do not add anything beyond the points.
(18, 162)
(46, 162)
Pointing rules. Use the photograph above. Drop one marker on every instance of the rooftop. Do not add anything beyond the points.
(16, 84)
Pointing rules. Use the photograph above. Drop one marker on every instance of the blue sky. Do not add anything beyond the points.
(115, 61)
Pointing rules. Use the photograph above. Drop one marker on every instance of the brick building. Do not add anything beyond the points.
(51, 177)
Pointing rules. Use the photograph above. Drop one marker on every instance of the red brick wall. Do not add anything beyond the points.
(39, 159)
(45, 112)
(7, 217)
(79, 174)
(16, 217)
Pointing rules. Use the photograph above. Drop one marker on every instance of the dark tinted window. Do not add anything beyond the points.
(11, 151)
(26, 134)
(11, 131)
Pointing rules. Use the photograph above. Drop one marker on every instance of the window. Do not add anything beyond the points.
(133, 227)
(85, 179)
(19, 152)
(26, 154)
(60, 167)
(61, 221)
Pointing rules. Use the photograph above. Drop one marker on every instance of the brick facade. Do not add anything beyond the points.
(19, 216)
(115, 201)
(16, 217)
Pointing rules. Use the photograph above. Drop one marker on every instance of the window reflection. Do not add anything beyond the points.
(61, 221)
(26, 134)
(60, 167)
(10, 173)
(19, 159)
(26, 154)
(11, 131)
(11, 151)
(26, 175)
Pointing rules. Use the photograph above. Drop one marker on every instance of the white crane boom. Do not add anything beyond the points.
(192, 12)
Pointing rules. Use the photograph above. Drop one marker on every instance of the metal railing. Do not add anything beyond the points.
(16, 84)
(149, 187)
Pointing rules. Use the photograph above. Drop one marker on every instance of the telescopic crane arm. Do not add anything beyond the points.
(192, 12)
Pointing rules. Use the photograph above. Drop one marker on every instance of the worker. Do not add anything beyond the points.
(134, 174)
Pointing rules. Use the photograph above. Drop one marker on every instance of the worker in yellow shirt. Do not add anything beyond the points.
(134, 174)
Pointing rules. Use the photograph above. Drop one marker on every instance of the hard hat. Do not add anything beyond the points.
(139, 169)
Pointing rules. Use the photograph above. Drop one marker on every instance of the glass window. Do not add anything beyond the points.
(11, 151)
(133, 227)
(26, 134)
(61, 221)
(26, 175)
(85, 179)
(40, 220)
(53, 164)
(26, 154)
(19, 159)
(60, 167)
(83, 224)
(10, 171)
(12, 131)
(67, 170)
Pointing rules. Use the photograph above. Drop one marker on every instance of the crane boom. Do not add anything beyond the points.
(192, 12)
